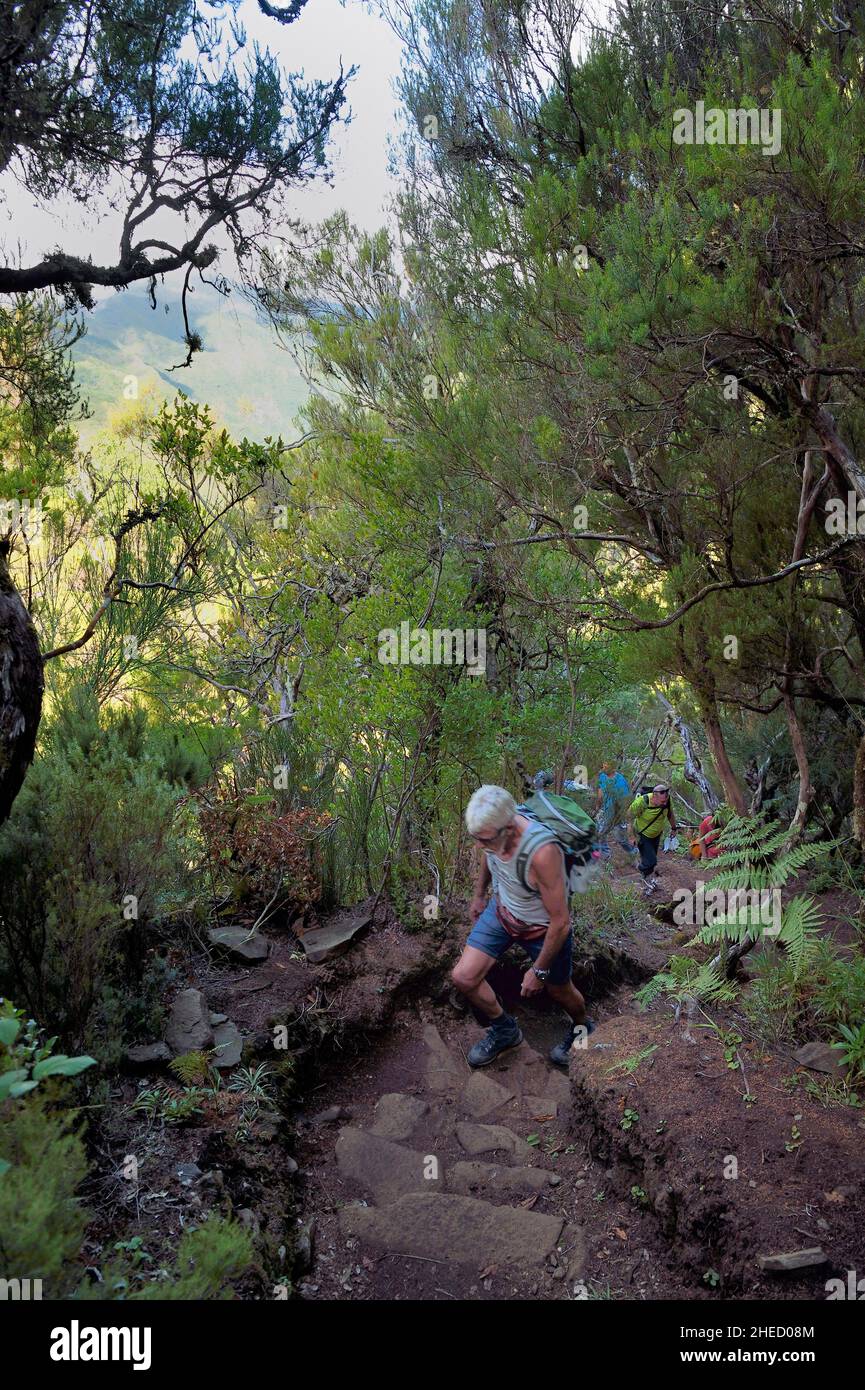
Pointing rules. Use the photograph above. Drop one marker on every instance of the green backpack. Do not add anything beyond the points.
(563, 821)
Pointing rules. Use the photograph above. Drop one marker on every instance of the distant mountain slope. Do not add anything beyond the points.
(251, 383)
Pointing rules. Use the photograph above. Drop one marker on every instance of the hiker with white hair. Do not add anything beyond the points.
(524, 865)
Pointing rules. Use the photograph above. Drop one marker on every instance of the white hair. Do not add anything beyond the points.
(490, 808)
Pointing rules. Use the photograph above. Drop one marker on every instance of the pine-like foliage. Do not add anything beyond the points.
(42, 1224)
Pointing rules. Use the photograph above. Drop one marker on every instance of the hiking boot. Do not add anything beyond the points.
(501, 1036)
(560, 1054)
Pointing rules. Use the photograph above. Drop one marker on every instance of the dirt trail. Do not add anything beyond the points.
(425, 1180)
(437, 1181)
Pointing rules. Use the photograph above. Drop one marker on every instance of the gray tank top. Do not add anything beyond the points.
(525, 904)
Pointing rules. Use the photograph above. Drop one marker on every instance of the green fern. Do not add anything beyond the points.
(192, 1068)
(752, 855)
(687, 979)
(800, 930)
(649, 992)
(799, 933)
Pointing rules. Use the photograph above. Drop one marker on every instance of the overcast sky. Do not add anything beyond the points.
(326, 33)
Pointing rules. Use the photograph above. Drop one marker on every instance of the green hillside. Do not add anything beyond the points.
(250, 381)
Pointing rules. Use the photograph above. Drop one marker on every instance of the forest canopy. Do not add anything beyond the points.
(578, 482)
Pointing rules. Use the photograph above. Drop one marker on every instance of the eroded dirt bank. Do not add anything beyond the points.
(382, 1167)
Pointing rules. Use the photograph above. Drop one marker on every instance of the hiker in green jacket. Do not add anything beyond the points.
(647, 817)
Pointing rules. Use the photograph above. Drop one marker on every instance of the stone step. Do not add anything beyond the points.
(397, 1115)
(494, 1178)
(383, 1169)
(519, 1071)
(455, 1229)
(444, 1070)
(484, 1139)
(482, 1095)
(532, 1110)
(558, 1086)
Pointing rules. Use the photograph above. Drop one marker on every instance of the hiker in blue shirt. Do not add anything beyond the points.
(614, 794)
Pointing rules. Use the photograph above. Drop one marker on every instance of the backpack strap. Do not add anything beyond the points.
(662, 811)
(535, 836)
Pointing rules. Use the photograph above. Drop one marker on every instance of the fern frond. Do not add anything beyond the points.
(649, 992)
(724, 929)
(796, 858)
(708, 984)
(800, 930)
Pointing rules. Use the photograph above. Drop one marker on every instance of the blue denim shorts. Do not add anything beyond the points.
(488, 935)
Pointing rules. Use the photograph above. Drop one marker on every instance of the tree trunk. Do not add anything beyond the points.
(849, 566)
(807, 503)
(846, 469)
(859, 794)
(693, 767)
(22, 683)
(806, 789)
(733, 793)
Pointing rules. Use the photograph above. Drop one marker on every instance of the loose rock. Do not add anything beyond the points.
(237, 944)
(189, 1027)
(795, 1259)
(321, 943)
(819, 1056)
(228, 1046)
(147, 1056)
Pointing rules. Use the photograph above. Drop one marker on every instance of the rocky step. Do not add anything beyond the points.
(496, 1179)
(384, 1170)
(485, 1139)
(520, 1072)
(455, 1229)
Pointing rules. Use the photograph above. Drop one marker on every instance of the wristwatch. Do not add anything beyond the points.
(542, 975)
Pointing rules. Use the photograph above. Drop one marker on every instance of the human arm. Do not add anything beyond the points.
(483, 879)
(547, 876)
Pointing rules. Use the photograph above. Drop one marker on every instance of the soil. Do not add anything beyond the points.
(618, 1184)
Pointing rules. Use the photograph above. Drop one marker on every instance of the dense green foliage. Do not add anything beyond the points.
(586, 404)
